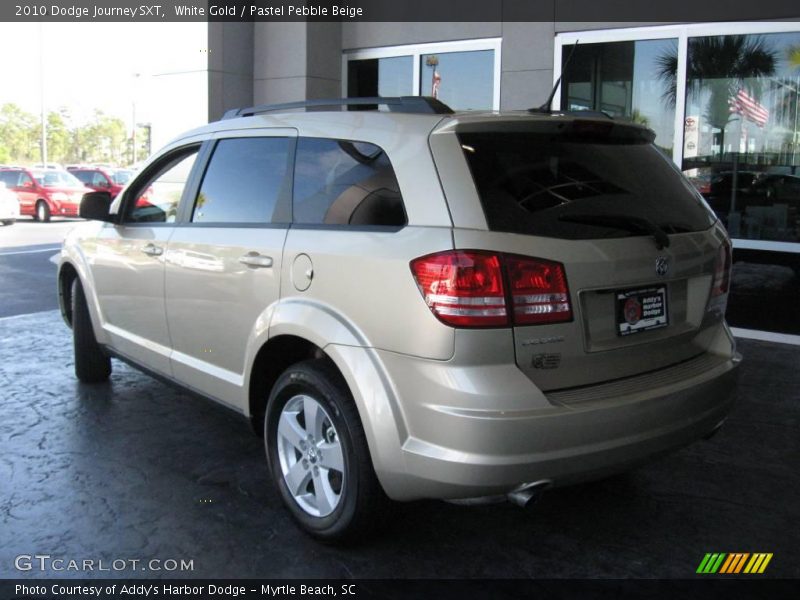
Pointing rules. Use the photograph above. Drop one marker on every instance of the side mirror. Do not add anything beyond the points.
(95, 206)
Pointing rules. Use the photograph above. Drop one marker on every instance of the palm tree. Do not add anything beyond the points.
(721, 65)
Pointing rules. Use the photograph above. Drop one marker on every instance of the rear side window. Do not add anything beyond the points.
(245, 182)
(573, 188)
(340, 182)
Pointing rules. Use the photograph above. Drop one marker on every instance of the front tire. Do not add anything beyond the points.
(318, 454)
(92, 365)
(9, 221)
(42, 212)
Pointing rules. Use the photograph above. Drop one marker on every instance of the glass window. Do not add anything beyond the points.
(157, 199)
(244, 182)
(83, 176)
(462, 80)
(741, 131)
(339, 182)
(580, 186)
(392, 76)
(100, 180)
(631, 80)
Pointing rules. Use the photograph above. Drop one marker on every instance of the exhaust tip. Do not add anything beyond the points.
(528, 493)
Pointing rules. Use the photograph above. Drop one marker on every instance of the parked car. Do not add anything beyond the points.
(44, 193)
(9, 206)
(415, 303)
(100, 179)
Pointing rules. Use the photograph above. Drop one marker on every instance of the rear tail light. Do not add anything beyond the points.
(471, 288)
(463, 288)
(539, 291)
(722, 271)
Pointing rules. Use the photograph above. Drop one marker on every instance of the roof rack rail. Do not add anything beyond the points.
(402, 104)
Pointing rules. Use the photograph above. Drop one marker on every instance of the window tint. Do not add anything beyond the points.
(244, 182)
(567, 187)
(84, 176)
(157, 200)
(25, 179)
(100, 180)
(10, 178)
(345, 183)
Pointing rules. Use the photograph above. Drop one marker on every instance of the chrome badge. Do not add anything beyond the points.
(662, 265)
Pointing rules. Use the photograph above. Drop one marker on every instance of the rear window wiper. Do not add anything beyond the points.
(624, 222)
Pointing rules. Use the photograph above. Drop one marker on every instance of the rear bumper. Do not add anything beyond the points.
(454, 451)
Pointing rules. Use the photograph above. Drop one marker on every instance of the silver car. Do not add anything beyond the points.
(414, 303)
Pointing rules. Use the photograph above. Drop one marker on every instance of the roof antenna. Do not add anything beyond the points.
(548, 105)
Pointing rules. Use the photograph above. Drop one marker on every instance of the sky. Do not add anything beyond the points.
(90, 66)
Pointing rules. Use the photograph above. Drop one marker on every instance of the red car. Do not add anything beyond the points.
(44, 193)
(101, 179)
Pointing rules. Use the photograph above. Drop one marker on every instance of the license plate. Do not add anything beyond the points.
(641, 310)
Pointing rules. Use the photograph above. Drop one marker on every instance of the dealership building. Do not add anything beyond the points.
(721, 97)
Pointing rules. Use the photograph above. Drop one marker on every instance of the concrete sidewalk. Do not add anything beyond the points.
(133, 469)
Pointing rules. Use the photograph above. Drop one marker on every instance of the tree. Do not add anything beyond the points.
(19, 134)
(719, 65)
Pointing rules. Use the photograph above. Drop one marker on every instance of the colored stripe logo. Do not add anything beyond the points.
(734, 563)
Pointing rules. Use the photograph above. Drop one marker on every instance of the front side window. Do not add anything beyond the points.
(245, 182)
(339, 182)
(157, 198)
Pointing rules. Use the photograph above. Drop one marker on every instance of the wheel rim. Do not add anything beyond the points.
(311, 457)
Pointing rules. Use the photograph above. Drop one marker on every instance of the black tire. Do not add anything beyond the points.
(362, 503)
(92, 365)
(9, 221)
(42, 212)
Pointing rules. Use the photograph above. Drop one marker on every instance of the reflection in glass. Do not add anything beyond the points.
(462, 80)
(741, 131)
(622, 79)
(392, 76)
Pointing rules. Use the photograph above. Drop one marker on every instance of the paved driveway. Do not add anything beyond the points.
(133, 469)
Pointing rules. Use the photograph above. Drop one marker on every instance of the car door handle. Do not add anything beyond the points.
(153, 250)
(254, 259)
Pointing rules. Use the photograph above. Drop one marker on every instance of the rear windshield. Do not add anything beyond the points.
(574, 188)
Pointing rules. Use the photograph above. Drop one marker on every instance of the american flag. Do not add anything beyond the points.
(745, 105)
(435, 83)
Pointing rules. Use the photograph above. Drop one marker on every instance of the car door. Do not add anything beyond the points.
(27, 193)
(223, 264)
(128, 261)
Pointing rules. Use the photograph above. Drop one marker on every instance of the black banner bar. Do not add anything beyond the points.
(707, 588)
(621, 11)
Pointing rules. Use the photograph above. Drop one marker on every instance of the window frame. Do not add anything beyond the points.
(154, 170)
(416, 51)
(682, 33)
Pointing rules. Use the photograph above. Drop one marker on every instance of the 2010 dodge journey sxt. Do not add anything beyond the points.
(415, 303)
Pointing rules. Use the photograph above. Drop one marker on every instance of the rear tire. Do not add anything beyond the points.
(42, 211)
(335, 495)
(92, 365)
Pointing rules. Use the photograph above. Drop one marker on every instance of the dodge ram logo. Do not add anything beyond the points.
(662, 265)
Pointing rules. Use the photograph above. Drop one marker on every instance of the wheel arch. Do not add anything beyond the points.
(300, 330)
(67, 273)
